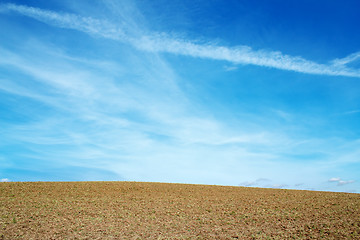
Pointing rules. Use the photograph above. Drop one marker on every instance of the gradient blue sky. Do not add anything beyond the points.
(251, 93)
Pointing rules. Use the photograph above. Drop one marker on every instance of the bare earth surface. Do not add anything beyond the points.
(129, 210)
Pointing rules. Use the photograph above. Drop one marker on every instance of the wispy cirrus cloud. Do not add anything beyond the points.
(161, 42)
(95, 122)
(71, 21)
(348, 59)
(98, 120)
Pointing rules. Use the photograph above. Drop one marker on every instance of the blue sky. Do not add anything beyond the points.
(250, 93)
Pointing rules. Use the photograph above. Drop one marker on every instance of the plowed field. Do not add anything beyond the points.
(132, 210)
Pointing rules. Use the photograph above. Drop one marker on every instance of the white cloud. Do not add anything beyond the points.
(96, 129)
(4, 180)
(257, 182)
(241, 55)
(230, 68)
(349, 59)
(334, 179)
(160, 42)
(264, 183)
(70, 21)
(340, 182)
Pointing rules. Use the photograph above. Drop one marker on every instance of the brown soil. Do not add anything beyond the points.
(132, 210)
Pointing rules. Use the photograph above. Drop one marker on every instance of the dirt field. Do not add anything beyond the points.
(128, 210)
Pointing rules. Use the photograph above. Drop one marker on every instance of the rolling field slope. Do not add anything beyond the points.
(134, 210)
